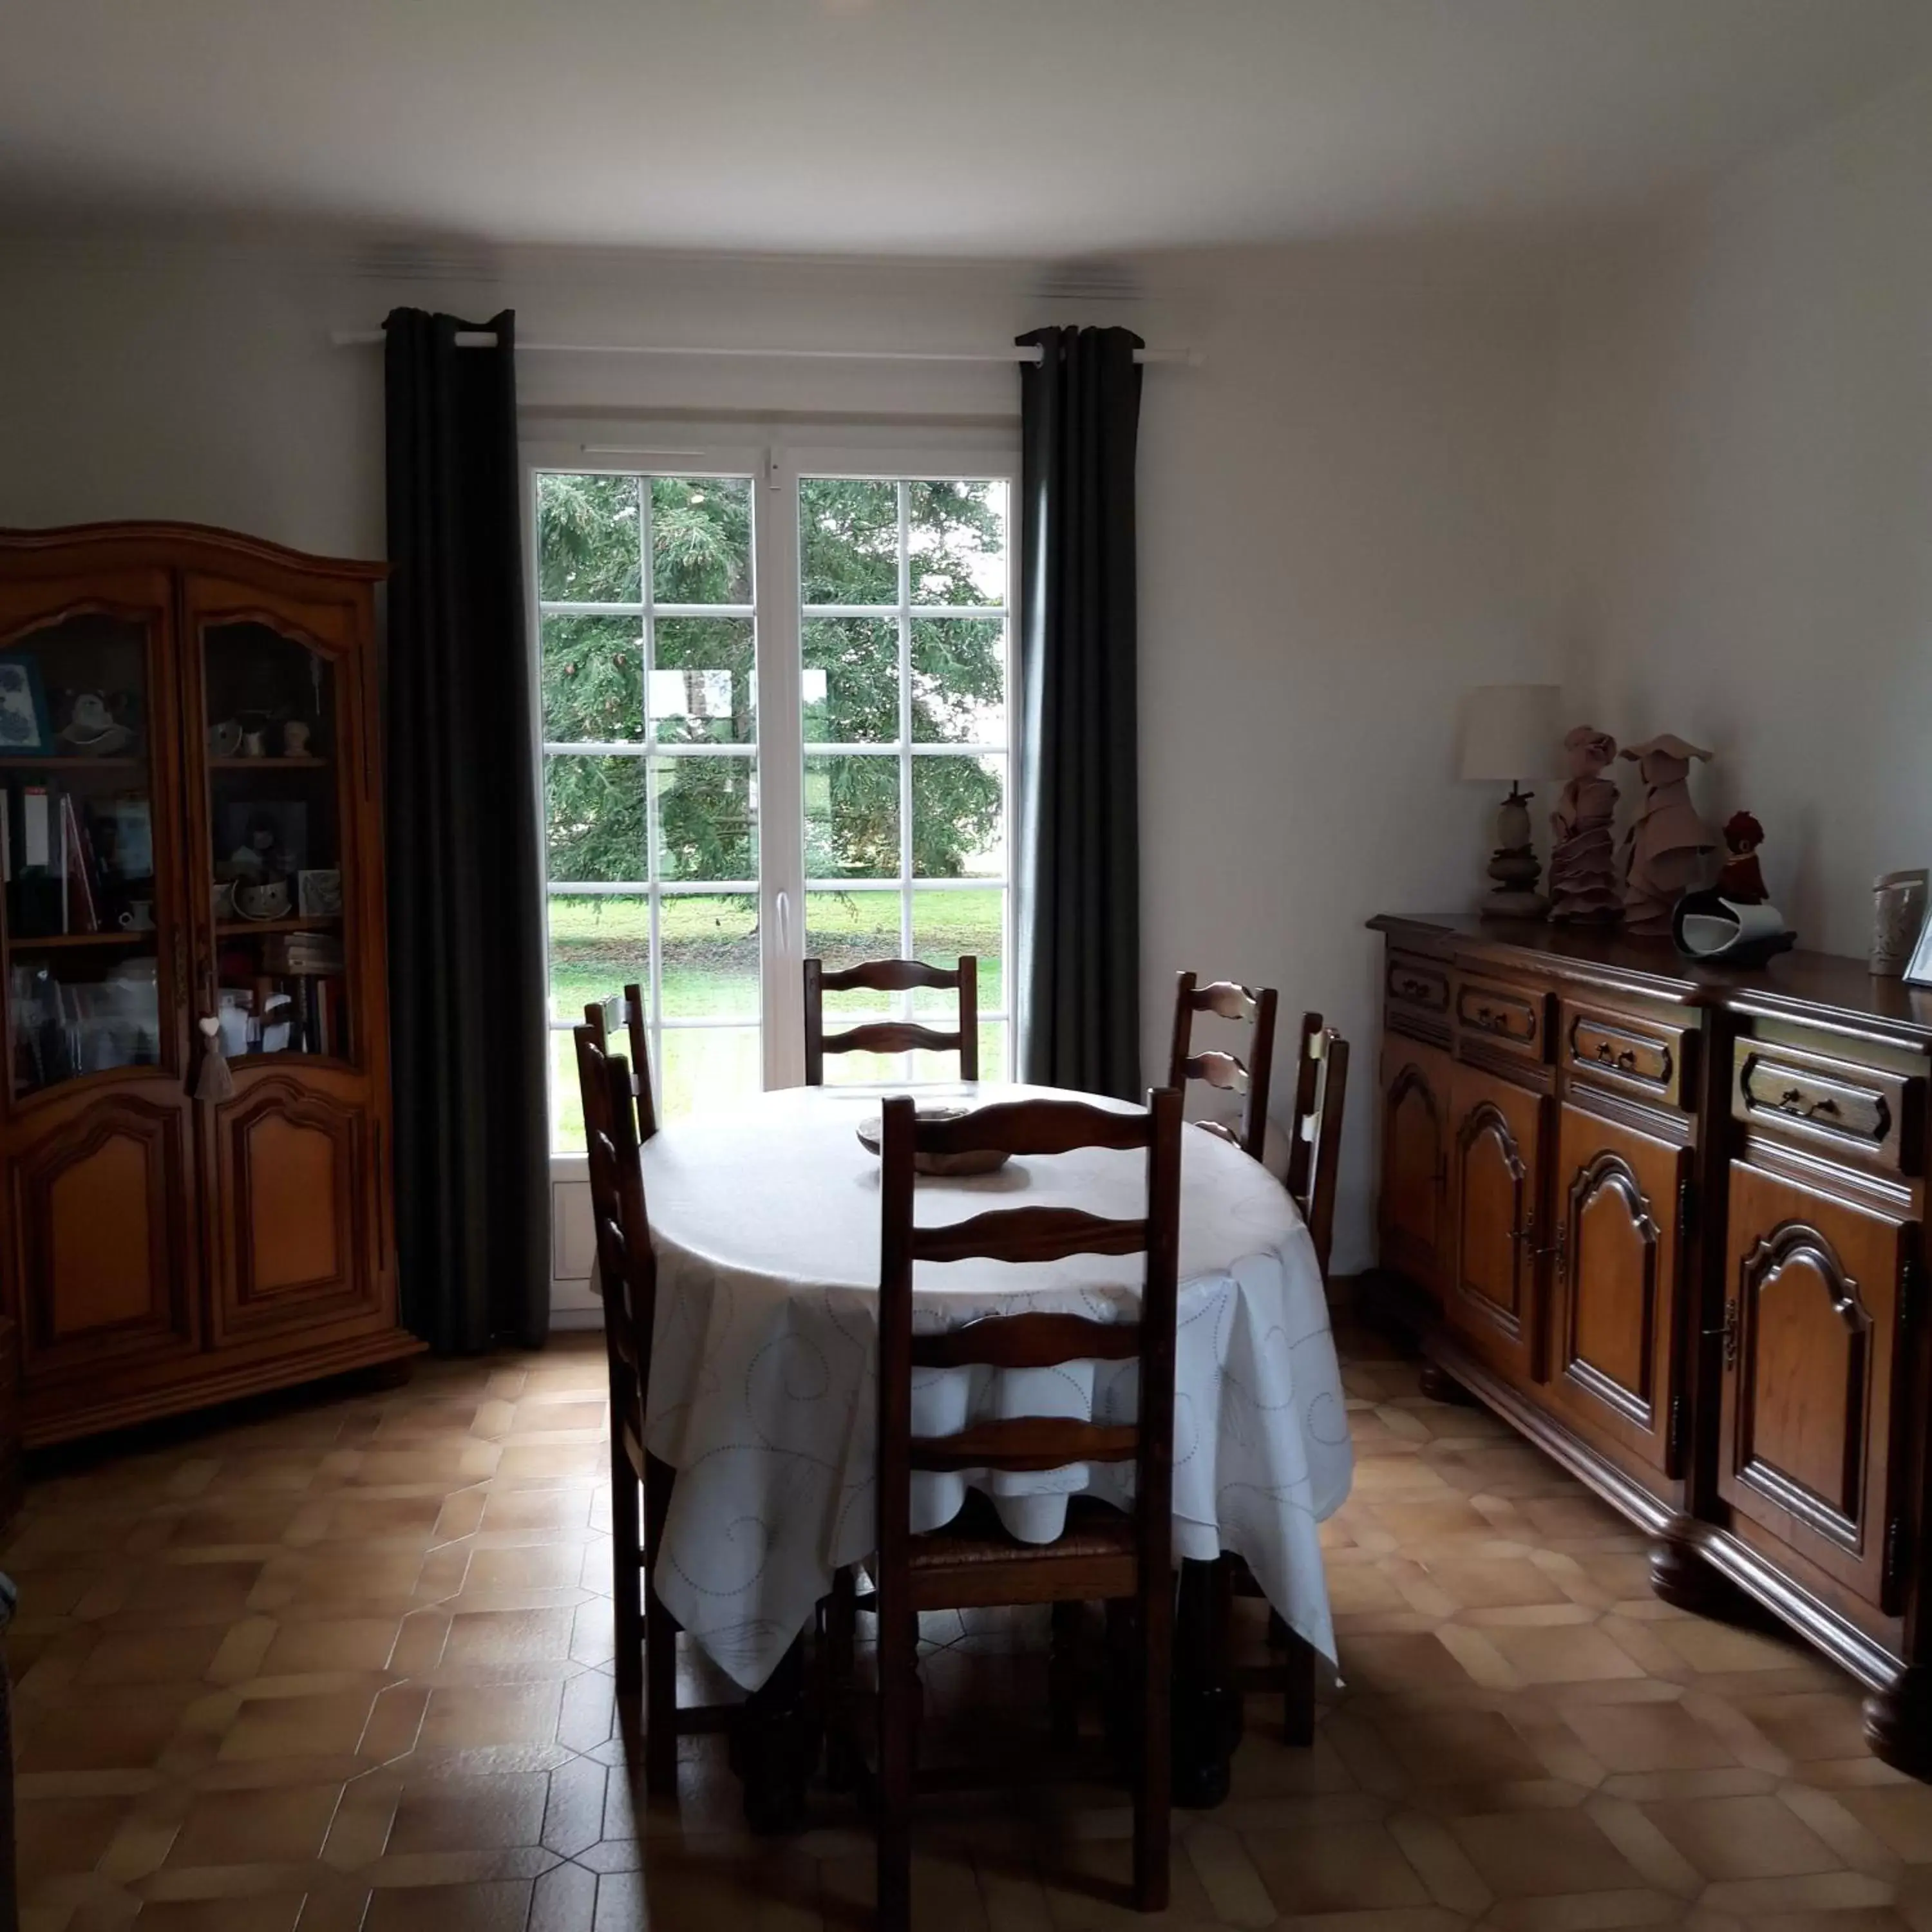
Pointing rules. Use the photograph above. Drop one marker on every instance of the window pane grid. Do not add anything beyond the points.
(650, 753)
(550, 608)
(623, 749)
(908, 745)
(940, 613)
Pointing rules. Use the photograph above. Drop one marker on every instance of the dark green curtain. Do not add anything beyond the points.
(466, 939)
(1079, 848)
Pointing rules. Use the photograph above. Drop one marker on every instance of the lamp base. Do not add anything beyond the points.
(1506, 904)
(1513, 866)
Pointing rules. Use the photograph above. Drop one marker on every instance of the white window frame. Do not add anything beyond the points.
(628, 448)
(932, 462)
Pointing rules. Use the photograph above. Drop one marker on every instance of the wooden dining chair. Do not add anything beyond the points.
(1249, 1079)
(1103, 1555)
(1314, 1146)
(1321, 1090)
(890, 976)
(646, 1632)
(625, 1012)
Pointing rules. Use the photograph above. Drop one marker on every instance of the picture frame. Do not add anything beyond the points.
(1918, 967)
(26, 728)
(318, 894)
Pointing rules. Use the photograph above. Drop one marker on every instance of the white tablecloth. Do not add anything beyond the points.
(766, 1221)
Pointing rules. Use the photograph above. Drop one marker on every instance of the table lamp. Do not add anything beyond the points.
(1509, 733)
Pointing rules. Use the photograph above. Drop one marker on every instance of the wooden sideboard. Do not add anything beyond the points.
(1668, 1221)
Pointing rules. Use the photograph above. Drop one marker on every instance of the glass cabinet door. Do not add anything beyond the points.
(274, 869)
(86, 910)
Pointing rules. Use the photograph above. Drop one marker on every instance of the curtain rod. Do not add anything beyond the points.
(486, 338)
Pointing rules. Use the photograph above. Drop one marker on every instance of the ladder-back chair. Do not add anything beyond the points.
(1321, 1089)
(1250, 1077)
(1104, 1554)
(646, 1632)
(624, 1012)
(891, 976)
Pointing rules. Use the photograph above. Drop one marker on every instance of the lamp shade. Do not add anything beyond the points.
(1510, 731)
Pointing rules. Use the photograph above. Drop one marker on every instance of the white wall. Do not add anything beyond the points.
(1342, 512)
(1744, 529)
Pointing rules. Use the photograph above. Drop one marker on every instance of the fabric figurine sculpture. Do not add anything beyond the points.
(1735, 921)
(1583, 851)
(1669, 846)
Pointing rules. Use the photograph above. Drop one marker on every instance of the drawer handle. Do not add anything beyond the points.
(1624, 1057)
(1792, 1101)
(1413, 989)
(1490, 1021)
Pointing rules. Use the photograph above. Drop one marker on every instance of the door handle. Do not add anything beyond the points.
(1731, 1330)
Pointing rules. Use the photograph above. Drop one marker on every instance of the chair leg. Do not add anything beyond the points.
(1297, 1696)
(1152, 1785)
(1063, 1674)
(899, 1692)
(626, 1566)
(660, 1645)
(841, 1618)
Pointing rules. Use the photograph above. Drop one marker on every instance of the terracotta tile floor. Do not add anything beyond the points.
(345, 1663)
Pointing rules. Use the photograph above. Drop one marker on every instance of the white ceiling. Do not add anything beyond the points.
(946, 127)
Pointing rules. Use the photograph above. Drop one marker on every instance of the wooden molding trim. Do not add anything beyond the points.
(215, 543)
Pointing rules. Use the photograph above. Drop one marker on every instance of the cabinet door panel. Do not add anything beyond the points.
(91, 918)
(1614, 1297)
(101, 1239)
(1811, 1410)
(294, 1176)
(1415, 1082)
(280, 819)
(1496, 1165)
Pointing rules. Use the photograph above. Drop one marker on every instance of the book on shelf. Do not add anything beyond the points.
(64, 855)
(298, 953)
(80, 907)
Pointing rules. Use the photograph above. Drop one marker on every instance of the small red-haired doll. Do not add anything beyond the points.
(1742, 879)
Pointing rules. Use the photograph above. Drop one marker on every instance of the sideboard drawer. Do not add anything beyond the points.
(1827, 1105)
(1509, 1017)
(1417, 986)
(1625, 1053)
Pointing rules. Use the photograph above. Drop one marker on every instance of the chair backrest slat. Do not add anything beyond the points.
(1026, 1442)
(1219, 1069)
(1028, 1235)
(1250, 1078)
(1027, 1342)
(1035, 1127)
(890, 1036)
(1030, 1340)
(891, 976)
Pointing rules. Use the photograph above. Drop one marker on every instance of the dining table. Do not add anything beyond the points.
(765, 1220)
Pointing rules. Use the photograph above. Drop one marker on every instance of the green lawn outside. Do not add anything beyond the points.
(710, 971)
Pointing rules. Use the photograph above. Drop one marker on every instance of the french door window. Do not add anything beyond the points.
(774, 720)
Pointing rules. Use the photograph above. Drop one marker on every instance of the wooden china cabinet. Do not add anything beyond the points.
(189, 769)
(1669, 1220)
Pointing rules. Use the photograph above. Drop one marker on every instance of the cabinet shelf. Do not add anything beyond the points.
(307, 762)
(118, 936)
(240, 928)
(65, 764)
